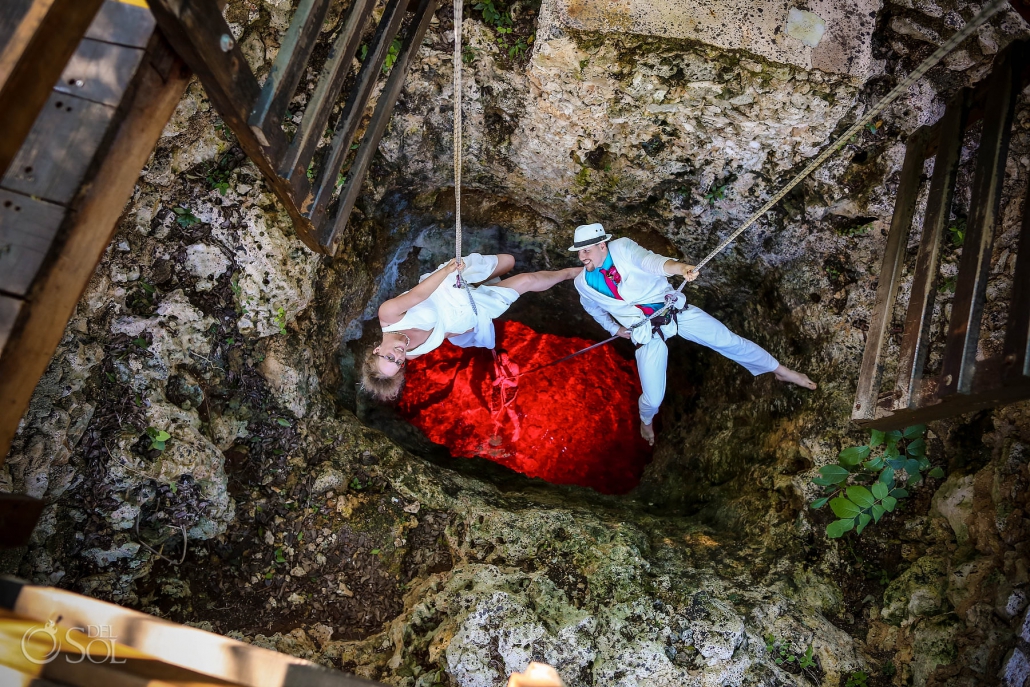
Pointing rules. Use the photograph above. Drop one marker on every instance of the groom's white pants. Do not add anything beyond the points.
(693, 324)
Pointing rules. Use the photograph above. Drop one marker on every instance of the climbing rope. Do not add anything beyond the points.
(460, 282)
(986, 13)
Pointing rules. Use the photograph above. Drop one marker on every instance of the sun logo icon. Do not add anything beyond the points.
(38, 639)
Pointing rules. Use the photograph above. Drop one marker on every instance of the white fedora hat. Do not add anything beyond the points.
(587, 235)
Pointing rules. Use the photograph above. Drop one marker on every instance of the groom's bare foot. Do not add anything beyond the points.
(785, 374)
(647, 431)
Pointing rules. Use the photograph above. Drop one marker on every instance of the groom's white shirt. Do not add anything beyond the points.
(643, 281)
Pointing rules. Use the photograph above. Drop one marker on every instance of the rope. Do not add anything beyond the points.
(989, 11)
(568, 357)
(459, 281)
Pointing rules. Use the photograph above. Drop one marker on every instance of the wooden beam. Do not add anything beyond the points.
(1017, 330)
(32, 60)
(915, 341)
(202, 38)
(302, 149)
(9, 309)
(890, 277)
(331, 233)
(959, 364)
(290, 64)
(354, 110)
(148, 106)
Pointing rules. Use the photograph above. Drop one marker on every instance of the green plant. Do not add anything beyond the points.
(491, 13)
(218, 179)
(392, 54)
(861, 230)
(861, 486)
(355, 484)
(364, 52)
(158, 438)
(781, 653)
(279, 558)
(519, 48)
(341, 179)
(888, 668)
(716, 193)
(283, 422)
(857, 679)
(184, 218)
(279, 320)
(310, 172)
(948, 285)
(957, 233)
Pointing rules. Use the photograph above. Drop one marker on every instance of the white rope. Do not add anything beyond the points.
(460, 281)
(457, 128)
(989, 11)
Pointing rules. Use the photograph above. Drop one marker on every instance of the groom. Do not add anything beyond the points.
(623, 284)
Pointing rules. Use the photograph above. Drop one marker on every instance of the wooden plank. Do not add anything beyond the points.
(59, 149)
(203, 40)
(99, 72)
(18, 517)
(354, 109)
(915, 341)
(331, 233)
(122, 23)
(890, 277)
(959, 364)
(295, 163)
(1017, 333)
(290, 64)
(31, 62)
(27, 227)
(11, 14)
(204, 653)
(149, 105)
(9, 309)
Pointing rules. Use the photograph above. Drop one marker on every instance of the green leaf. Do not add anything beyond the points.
(878, 511)
(879, 490)
(897, 463)
(899, 493)
(283, 423)
(835, 473)
(836, 529)
(875, 437)
(912, 467)
(863, 520)
(876, 463)
(279, 556)
(894, 434)
(843, 508)
(819, 503)
(889, 502)
(914, 431)
(375, 552)
(937, 472)
(887, 477)
(823, 482)
(854, 455)
(860, 496)
(891, 451)
(916, 448)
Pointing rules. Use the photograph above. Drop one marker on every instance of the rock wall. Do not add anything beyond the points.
(197, 435)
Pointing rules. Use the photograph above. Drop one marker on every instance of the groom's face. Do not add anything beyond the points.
(593, 256)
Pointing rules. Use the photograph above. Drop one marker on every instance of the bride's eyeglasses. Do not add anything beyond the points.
(398, 363)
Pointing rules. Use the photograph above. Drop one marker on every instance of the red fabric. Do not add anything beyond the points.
(573, 423)
(612, 278)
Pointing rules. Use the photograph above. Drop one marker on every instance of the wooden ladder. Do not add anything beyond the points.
(306, 187)
(964, 384)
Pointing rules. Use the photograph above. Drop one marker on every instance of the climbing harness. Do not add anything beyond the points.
(459, 281)
(986, 13)
(665, 314)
